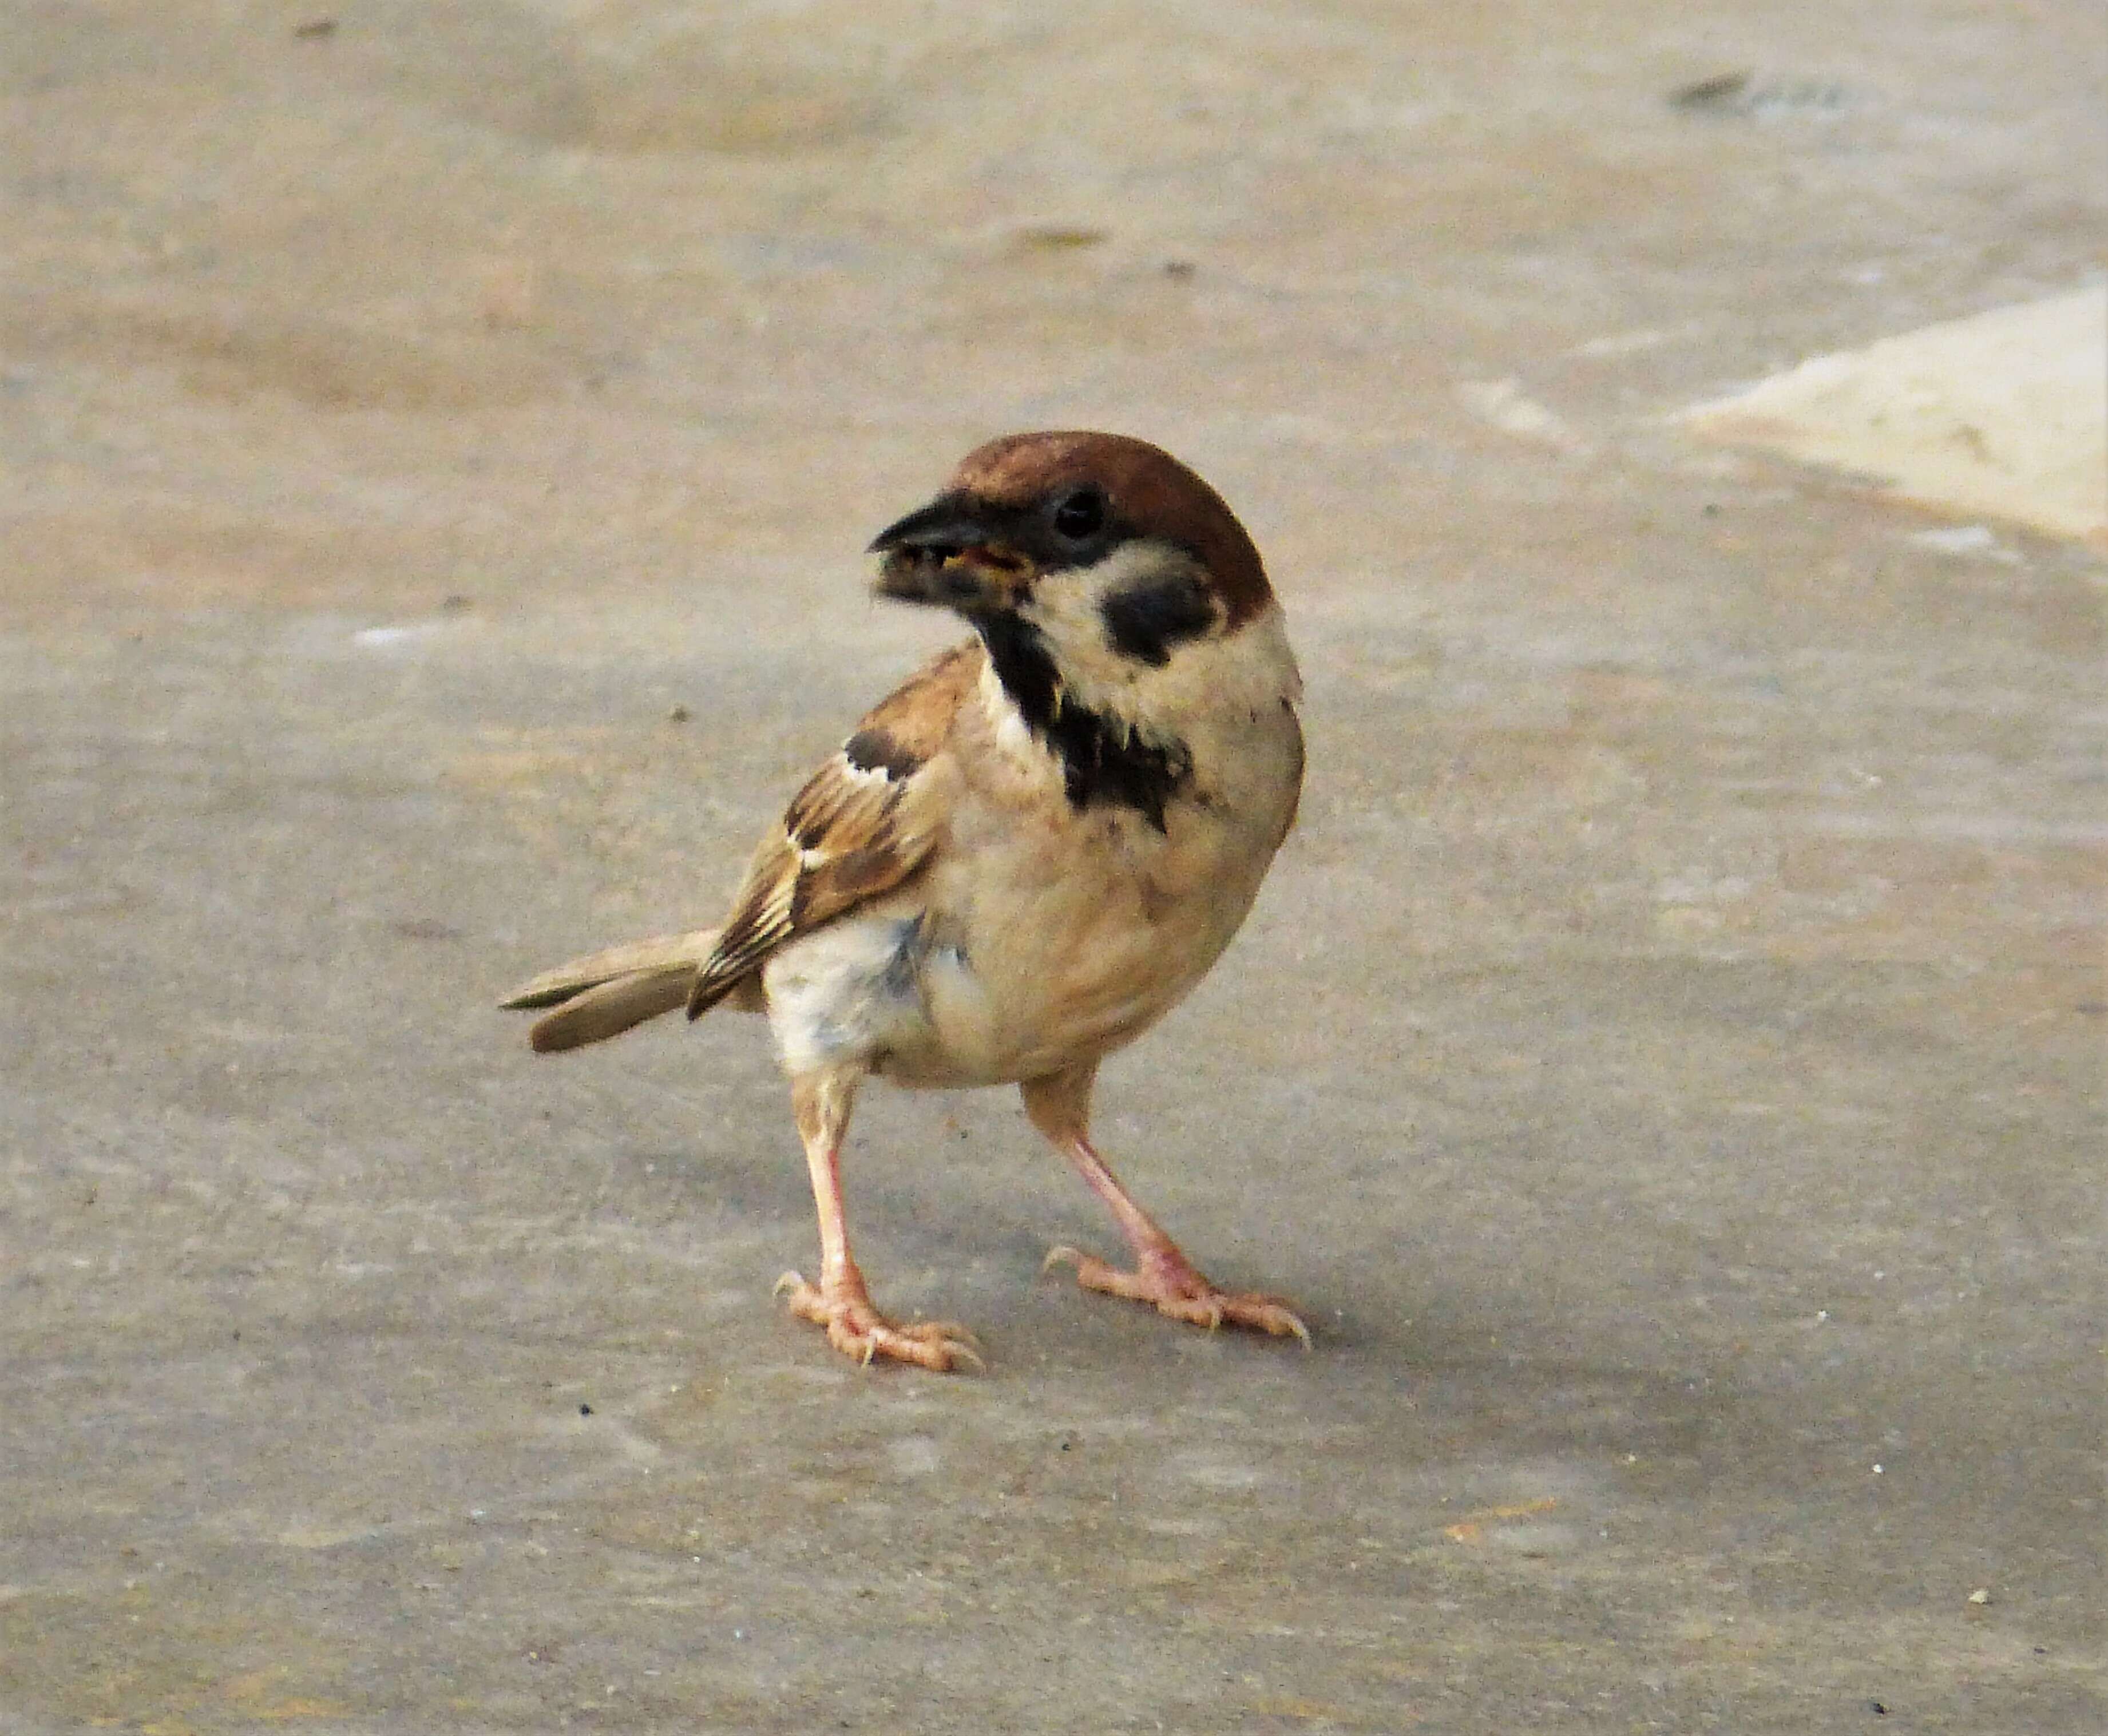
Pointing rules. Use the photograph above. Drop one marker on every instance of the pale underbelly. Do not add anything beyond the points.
(923, 1002)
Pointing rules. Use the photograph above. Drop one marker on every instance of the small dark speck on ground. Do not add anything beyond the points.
(1706, 92)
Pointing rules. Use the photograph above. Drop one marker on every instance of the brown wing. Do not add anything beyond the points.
(861, 826)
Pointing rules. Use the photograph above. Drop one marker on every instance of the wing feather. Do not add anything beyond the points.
(862, 824)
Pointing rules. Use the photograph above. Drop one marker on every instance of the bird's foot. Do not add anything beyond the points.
(858, 1330)
(1166, 1281)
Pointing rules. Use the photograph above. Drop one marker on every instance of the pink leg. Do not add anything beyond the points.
(1059, 1107)
(839, 1301)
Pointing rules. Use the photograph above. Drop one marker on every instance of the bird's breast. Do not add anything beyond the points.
(1043, 932)
(1053, 937)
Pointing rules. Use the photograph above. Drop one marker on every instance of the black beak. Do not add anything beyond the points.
(949, 525)
(949, 554)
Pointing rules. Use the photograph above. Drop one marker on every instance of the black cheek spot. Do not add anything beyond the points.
(875, 750)
(1145, 620)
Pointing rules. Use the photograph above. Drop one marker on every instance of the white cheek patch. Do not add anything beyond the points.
(1070, 610)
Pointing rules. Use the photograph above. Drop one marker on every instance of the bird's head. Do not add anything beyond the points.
(1105, 549)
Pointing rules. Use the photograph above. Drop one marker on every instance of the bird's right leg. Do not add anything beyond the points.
(1059, 1107)
(839, 1301)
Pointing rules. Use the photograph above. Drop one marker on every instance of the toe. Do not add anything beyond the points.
(804, 1300)
(1266, 1313)
(1173, 1287)
(861, 1333)
(936, 1351)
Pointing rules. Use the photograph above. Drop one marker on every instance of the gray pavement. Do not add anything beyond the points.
(1665, 1063)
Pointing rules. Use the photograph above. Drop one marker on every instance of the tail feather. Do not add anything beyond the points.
(609, 1010)
(667, 952)
(603, 994)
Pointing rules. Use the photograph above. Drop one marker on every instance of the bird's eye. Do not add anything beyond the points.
(1080, 515)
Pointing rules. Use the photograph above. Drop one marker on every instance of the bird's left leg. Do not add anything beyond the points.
(1059, 1107)
(839, 1301)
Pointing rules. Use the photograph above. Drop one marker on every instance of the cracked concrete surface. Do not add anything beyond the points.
(1665, 1063)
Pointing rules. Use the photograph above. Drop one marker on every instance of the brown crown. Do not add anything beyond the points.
(1149, 490)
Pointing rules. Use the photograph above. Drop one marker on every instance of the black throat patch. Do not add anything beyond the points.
(1103, 762)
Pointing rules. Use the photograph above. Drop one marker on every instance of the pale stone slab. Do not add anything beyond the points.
(2005, 413)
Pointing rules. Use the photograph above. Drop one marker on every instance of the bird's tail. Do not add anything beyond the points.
(603, 994)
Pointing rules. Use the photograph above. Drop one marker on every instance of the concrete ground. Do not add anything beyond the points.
(1665, 1063)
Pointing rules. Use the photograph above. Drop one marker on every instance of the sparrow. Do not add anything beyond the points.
(1018, 861)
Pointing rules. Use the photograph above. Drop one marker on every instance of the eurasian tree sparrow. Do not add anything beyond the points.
(1020, 860)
